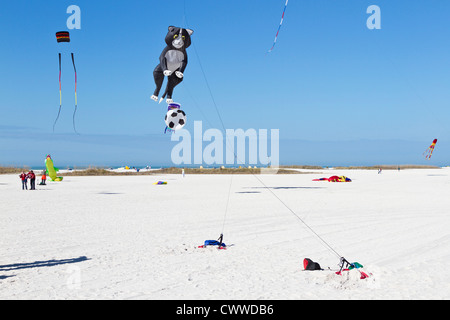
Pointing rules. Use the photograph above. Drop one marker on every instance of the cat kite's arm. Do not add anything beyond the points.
(180, 73)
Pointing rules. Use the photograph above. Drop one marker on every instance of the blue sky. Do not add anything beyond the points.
(339, 92)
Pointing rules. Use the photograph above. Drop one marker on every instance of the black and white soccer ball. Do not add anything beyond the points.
(175, 119)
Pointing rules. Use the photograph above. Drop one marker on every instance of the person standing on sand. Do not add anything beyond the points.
(32, 177)
(23, 177)
(43, 178)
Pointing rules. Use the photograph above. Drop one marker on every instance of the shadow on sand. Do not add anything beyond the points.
(39, 264)
(286, 188)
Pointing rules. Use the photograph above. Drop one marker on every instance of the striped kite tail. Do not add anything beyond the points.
(279, 27)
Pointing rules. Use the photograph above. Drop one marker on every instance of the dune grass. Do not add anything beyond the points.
(11, 170)
(172, 170)
(390, 167)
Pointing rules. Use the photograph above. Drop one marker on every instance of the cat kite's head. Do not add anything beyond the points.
(178, 38)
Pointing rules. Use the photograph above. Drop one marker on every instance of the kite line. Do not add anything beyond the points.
(220, 240)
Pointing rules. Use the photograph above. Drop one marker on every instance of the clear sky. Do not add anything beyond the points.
(339, 92)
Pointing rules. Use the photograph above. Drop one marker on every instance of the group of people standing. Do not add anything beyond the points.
(32, 176)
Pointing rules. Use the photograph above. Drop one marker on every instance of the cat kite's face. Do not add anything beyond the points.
(178, 38)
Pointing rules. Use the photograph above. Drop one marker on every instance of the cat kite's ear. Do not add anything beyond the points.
(171, 28)
(190, 31)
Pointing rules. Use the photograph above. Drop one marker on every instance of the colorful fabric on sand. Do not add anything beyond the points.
(334, 179)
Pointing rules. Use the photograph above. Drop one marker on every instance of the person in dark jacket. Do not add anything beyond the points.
(32, 178)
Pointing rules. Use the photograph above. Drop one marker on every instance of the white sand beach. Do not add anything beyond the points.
(122, 237)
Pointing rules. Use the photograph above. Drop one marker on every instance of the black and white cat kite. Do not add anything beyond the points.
(172, 62)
